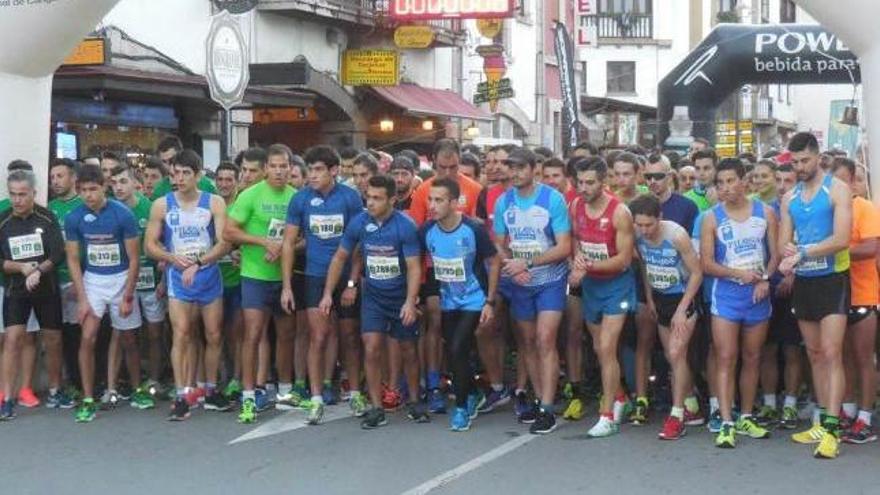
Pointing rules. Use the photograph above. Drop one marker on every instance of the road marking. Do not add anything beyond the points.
(290, 421)
(475, 463)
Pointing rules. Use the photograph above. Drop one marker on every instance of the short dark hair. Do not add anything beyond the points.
(450, 185)
(471, 148)
(446, 146)
(90, 174)
(704, 154)
(522, 155)
(368, 160)
(413, 156)
(71, 165)
(545, 152)
(155, 163)
(843, 162)
(169, 142)
(189, 159)
(645, 204)
(345, 153)
(592, 164)
(803, 141)
(255, 154)
(109, 155)
(748, 157)
(674, 158)
(554, 162)
(401, 162)
(771, 164)
(702, 141)
(734, 164)
(473, 161)
(785, 167)
(322, 153)
(279, 149)
(19, 165)
(384, 182)
(585, 145)
(232, 167)
(120, 169)
(626, 157)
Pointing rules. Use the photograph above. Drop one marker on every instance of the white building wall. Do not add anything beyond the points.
(280, 39)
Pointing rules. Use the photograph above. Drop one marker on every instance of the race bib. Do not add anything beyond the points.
(526, 250)
(594, 252)
(812, 263)
(146, 278)
(748, 263)
(276, 230)
(449, 270)
(192, 250)
(662, 277)
(383, 267)
(104, 255)
(326, 226)
(26, 246)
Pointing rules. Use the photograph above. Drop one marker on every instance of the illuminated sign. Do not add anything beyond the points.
(407, 10)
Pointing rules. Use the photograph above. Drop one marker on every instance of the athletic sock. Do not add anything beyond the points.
(248, 394)
(865, 417)
(620, 397)
(517, 391)
(53, 391)
(850, 409)
(817, 415)
(790, 401)
(691, 404)
(317, 399)
(677, 412)
(300, 383)
(498, 387)
(831, 424)
(713, 405)
(181, 392)
(284, 388)
(770, 400)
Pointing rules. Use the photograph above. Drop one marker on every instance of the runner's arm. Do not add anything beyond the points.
(772, 240)
(864, 250)
(233, 233)
(557, 253)
(71, 249)
(413, 278)
(218, 250)
(56, 248)
(692, 263)
(152, 244)
(132, 249)
(335, 271)
(288, 254)
(707, 248)
(786, 227)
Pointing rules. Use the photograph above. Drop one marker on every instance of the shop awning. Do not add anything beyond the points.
(416, 100)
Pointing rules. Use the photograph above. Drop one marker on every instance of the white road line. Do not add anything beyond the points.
(475, 463)
(289, 421)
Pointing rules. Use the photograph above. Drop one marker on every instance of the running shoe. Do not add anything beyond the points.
(300, 396)
(605, 427)
(693, 418)
(715, 422)
(521, 404)
(59, 400)
(789, 419)
(261, 400)
(192, 398)
(125, 391)
(87, 411)
(141, 399)
(7, 410)
(286, 402)
(530, 414)
(621, 410)
(179, 410)
(495, 399)
(416, 412)
(749, 427)
(544, 423)
(460, 420)
(217, 402)
(233, 390)
(344, 390)
(811, 436)
(859, 433)
(109, 399)
(639, 415)
(767, 416)
(828, 448)
(248, 413)
(473, 402)
(358, 404)
(315, 413)
(436, 402)
(374, 418)
(391, 399)
(328, 394)
(27, 398)
(673, 429)
(575, 410)
(726, 438)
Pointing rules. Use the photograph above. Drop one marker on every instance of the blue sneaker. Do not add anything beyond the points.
(59, 400)
(495, 399)
(7, 410)
(436, 402)
(473, 401)
(329, 396)
(715, 422)
(521, 405)
(460, 421)
(261, 400)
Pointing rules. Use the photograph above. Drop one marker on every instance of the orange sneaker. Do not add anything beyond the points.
(27, 398)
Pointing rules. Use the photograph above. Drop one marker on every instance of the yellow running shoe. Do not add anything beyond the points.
(811, 436)
(828, 448)
(575, 410)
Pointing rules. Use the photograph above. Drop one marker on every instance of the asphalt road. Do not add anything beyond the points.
(138, 452)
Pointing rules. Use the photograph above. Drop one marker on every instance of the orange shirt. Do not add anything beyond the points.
(863, 273)
(467, 202)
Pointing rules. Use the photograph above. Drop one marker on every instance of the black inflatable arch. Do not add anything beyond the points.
(733, 55)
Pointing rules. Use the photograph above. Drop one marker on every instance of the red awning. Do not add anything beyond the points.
(416, 100)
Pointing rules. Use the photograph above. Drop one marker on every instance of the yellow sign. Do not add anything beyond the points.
(725, 138)
(90, 51)
(489, 27)
(413, 36)
(370, 68)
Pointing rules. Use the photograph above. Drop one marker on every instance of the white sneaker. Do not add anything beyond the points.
(617, 409)
(603, 428)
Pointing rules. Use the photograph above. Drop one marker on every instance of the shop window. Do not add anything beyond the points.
(621, 78)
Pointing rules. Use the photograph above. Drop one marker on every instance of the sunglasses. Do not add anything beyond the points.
(655, 177)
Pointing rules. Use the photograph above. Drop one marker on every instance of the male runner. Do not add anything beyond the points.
(687, 177)
(169, 148)
(703, 192)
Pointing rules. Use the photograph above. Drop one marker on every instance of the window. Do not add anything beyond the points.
(765, 11)
(788, 93)
(520, 8)
(726, 5)
(787, 11)
(621, 78)
(582, 86)
(624, 6)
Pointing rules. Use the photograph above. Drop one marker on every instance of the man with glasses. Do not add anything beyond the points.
(675, 207)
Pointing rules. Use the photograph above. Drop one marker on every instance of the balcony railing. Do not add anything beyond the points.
(621, 26)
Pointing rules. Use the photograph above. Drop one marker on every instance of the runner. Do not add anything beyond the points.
(256, 224)
(814, 237)
(106, 231)
(533, 233)
(687, 177)
(861, 335)
(32, 248)
(388, 242)
(364, 167)
(151, 174)
(671, 277)
(738, 242)
(322, 212)
(169, 148)
(602, 259)
(182, 234)
(703, 192)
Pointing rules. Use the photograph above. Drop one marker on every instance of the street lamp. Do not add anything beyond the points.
(386, 125)
(428, 125)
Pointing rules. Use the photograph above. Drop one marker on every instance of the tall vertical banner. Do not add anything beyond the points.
(565, 56)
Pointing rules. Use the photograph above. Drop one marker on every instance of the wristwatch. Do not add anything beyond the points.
(352, 284)
(530, 264)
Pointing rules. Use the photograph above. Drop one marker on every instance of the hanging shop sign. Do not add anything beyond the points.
(492, 92)
(408, 10)
(228, 70)
(89, 51)
(494, 67)
(370, 68)
(489, 28)
(413, 36)
(235, 6)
